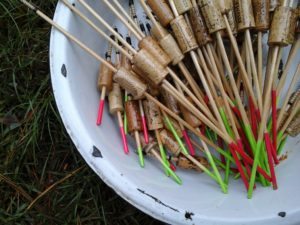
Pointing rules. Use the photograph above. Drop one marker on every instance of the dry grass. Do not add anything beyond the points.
(43, 179)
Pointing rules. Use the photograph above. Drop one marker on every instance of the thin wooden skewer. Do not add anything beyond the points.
(260, 60)
(239, 59)
(288, 95)
(111, 67)
(293, 53)
(253, 68)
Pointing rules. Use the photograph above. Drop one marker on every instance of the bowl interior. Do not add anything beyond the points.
(199, 200)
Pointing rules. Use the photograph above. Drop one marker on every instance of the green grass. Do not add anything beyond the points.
(43, 179)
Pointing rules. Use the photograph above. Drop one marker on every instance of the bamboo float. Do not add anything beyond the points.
(105, 83)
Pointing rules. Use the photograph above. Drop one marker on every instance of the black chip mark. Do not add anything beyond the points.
(73, 4)
(188, 215)
(282, 214)
(96, 152)
(64, 70)
(157, 200)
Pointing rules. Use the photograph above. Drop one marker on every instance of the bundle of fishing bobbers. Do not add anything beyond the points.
(197, 82)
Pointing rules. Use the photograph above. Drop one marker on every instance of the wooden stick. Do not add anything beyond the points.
(216, 70)
(239, 59)
(288, 95)
(197, 113)
(253, 68)
(260, 60)
(223, 94)
(102, 33)
(292, 54)
(232, 80)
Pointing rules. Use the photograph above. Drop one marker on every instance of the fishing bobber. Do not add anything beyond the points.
(130, 82)
(115, 108)
(282, 31)
(151, 87)
(153, 115)
(168, 43)
(115, 99)
(183, 163)
(133, 116)
(105, 78)
(105, 81)
(199, 27)
(125, 62)
(212, 15)
(262, 14)
(244, 14)
(150, 67)
(150, 44)
(183, 6)
(135, 125)
(184, 34)
(170, 102)
(169, 141)
(162, 10)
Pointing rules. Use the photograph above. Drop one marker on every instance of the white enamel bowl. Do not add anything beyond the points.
(199, 200)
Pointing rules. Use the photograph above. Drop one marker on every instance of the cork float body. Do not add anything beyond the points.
(115, 99)
(105, 78)
(133, 116)
(162, 11)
